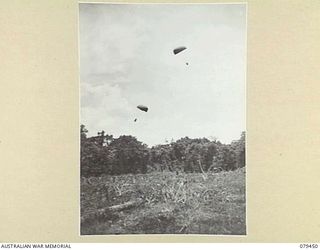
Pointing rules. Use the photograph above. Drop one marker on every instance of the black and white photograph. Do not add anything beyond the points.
(162, 119)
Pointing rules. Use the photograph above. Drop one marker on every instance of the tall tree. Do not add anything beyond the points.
(130, 155)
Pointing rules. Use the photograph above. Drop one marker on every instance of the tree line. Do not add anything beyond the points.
(105, 155)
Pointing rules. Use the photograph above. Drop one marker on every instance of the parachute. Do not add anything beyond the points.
(143, 108)
(178, 50)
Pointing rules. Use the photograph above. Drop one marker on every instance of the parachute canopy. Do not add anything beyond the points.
(143, 108)
(178, 50)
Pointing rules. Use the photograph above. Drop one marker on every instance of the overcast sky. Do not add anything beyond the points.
(126, 59)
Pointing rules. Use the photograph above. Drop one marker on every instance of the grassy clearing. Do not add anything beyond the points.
(166, 203)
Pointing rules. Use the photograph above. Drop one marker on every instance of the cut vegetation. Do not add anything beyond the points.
(164, 203)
